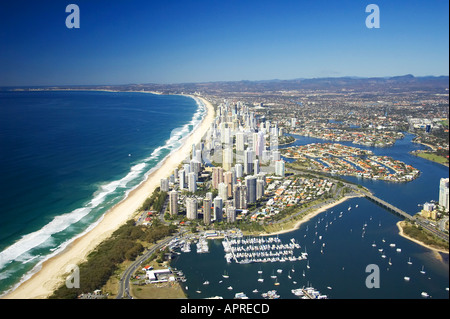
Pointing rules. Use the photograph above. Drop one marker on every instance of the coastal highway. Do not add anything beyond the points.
(124, 283)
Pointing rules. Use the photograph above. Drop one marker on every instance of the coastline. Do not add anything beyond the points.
(312, 214)
(42, 284)
(401, 233)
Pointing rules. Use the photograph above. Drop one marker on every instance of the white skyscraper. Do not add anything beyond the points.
(240, 142)
(279, 168)
(293, 122)
(223, 191)
(276, 156)
(239, 170)
(444, 193)
(227, 158)
(255, 142)
(191, 208)
(256, 167)
(181, 179)
(260, 145)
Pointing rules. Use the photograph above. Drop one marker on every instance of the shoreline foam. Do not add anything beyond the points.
(45, 280)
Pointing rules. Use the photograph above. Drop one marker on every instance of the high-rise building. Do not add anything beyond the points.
(164, 187)
(256, 167)
(195, 166)
(191, 208)
(192, 182)
(226, 135)
(259, 189)
(250, 182)
(227, 158)
(217, 176)
(444, 193)
(181, 179)
(240, 196)
(223, 191)
(293, 122)
(240, 142)
(276, 156)
(260, 145)
(255, 143)
(248, 161)
(239, 170)
(207, 211)
(228, 180)
(279, 168)
(173, 203)
(231, 214)
(218, 209)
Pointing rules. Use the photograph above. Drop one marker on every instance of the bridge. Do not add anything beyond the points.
(420, 221)
(389, 207)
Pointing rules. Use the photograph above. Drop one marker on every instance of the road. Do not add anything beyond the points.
(124, 283)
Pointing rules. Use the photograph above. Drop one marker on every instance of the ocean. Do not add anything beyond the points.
(66, 157)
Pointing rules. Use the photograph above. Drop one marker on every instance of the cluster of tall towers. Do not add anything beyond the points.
(237, 147)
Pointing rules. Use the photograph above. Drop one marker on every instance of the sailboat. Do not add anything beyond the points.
(225, 275)
(303, 273)
(260, 279)
(423, 270)
(273, 275)
(409, 261)
(276, 282)
(390, 262)
(307, 265)
(289, 275)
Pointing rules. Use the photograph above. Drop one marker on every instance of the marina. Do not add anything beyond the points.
(261, 249)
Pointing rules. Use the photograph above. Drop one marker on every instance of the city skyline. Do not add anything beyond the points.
(147, 42)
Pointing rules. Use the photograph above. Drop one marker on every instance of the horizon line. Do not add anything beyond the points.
(230, 81)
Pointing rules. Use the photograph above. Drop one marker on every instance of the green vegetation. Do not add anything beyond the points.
(156, 201)
(126, 243)
(416, 232)
(433, 157)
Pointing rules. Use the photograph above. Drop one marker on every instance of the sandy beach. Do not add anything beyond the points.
(401, 233)
(51, 276)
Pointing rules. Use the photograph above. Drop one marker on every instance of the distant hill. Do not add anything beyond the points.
(389, 84)
(404, 83)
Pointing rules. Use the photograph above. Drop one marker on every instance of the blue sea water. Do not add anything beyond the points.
(66, 157)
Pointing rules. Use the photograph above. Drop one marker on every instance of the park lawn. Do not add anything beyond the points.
(433, 157)
(158, 291)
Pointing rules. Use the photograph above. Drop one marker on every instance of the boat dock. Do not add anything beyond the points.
(260, 249)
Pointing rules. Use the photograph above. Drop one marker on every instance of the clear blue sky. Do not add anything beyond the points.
(139, 41)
